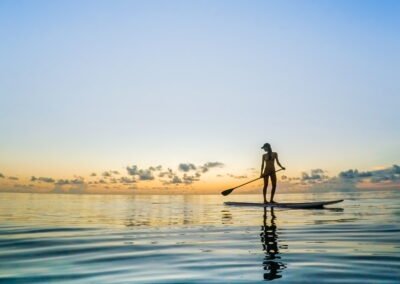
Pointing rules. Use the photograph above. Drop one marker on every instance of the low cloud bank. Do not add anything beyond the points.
(391, 174)
(187, 174)
(348, 179)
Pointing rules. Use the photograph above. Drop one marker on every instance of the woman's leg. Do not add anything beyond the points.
(265, 189)
(273, 181)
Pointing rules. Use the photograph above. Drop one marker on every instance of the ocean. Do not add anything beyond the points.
(60, 238)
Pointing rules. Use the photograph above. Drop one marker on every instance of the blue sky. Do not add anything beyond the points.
(96, 85)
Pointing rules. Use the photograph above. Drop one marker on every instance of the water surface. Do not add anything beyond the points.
(56, 238)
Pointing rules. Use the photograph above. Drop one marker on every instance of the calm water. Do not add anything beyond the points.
(182, 239)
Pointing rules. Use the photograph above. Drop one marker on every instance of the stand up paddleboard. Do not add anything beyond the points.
(304, 205)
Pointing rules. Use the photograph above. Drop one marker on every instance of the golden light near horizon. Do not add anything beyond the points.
(186, 180)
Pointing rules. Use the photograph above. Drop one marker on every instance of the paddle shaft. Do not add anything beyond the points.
(247, 182)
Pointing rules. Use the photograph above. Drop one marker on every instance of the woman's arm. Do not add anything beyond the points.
(262, 167)
(277, 161)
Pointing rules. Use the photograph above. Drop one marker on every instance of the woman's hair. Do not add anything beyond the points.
(269, 150)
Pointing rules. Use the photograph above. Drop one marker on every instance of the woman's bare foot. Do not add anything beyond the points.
(272, 201)
(265, 201)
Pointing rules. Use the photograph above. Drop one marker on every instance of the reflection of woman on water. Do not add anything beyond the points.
(268, 170)
(269, 241)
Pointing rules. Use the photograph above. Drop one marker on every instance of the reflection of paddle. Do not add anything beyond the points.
(229, 191)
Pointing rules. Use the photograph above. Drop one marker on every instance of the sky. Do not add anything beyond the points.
(90, 87)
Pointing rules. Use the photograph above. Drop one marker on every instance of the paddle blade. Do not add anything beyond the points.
(227, 192)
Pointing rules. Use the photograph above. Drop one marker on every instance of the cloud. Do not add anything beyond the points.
(169, 173)
(93, 174)
(176, 180)
(207, 166)
(75, 181)
(106, 174)
(46, 179)
(237, 176)
(185, 179)
(2, 176)
(189, 179)
(43, 179)
(173, 180)
(142, 174)
(146, 175)
(132, 170)
(127, 180)
(391, 174)
(186, 167)
(13, 178)
(316, 175)
(387, 175)
(157, 168)
(354, 174)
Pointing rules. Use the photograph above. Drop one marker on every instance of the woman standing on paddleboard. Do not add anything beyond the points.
(268, 170)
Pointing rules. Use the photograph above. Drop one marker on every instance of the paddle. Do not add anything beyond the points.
(229, 191)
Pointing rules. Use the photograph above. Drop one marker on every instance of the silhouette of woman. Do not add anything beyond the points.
(268, 170)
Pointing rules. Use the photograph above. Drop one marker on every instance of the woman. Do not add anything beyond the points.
(268, 170)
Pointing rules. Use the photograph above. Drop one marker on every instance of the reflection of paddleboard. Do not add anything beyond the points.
(303, 205)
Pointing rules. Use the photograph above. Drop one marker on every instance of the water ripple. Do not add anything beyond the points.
(198, 240)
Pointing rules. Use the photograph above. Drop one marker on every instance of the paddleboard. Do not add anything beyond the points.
(303, 205)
